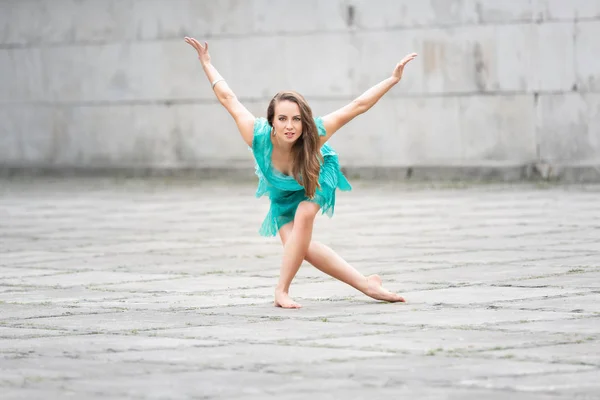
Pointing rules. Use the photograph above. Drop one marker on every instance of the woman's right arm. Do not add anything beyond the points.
(243, 118)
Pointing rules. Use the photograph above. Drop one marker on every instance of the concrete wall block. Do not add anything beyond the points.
(200, 18)
(304, 63)
(458, 60)
(23, 21)
(517, 57)
(374, 55)
(568, 127)
(526, 57)
(151, 135)
(292, 16)
(21, 75)
(406, 13)
(450, 59)
(553, 66)
(437, 13)
(498, 128)
(28, 134)
(124, 72)
(117, 136)
(258, 66)
(99, 21)
(494, 11)
(473, 58)
(6, 21)
(430, 128)
(64, 21)
(587, 59)
(68, 21)
(513, 57)
(566, 10)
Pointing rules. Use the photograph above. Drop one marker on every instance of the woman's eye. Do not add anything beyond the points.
(282, 119)
(297, 119)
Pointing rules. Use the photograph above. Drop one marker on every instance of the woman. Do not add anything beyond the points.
(301, 173)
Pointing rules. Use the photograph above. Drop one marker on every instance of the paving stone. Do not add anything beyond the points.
(174, 302)
(208, 283)
(576, 384)
(242, 356)
(57, 393)
(419, 392)
(475, 274)
(124, 321)
(585, 303)
(585, 352)
(95, 278)
(276, 330)
(11, 311)
(432, 340)
(7, 272)
(582, 325)
(10, 332)
(203, 384)
(455, 317)
(59, 296)
(78, 345)
(575, 278)
(436, 369)
(483, 294)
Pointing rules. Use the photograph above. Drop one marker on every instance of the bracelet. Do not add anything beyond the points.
(217, 81)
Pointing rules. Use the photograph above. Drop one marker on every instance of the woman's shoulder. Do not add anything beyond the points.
(320, 126)
(262, 134)
(261, 126)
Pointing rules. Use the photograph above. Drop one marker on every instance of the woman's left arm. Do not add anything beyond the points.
(365, 101)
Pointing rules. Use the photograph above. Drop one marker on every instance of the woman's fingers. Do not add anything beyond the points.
(408, 58)
(196, 45)
(190, 41)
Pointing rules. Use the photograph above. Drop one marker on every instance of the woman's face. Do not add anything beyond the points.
(287, 121)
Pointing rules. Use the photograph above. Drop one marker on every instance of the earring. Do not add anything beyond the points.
(273, 133)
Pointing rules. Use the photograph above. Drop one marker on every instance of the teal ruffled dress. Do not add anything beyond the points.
(284, 191)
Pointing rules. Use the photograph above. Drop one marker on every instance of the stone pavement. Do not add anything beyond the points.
(162, 289)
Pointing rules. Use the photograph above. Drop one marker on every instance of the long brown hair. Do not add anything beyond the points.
(306, 154)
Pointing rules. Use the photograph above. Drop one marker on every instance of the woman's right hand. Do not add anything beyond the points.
(202, 50)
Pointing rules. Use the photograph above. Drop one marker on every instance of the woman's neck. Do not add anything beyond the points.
(281, 146)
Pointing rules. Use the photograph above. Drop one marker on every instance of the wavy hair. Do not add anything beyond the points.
(306, 154)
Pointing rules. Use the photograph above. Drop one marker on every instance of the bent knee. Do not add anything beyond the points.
(306, 212)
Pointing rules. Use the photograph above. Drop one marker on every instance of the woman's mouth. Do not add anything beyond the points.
(289, 134)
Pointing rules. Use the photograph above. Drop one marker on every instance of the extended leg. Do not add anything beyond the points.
(328, 261)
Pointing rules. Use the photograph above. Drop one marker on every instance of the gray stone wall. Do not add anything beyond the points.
(111, 84)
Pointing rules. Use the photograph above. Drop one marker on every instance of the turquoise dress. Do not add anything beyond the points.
(284, 191)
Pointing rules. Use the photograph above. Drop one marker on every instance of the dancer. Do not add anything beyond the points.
(300, 172)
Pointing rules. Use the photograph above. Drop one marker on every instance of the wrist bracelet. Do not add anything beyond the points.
(217, 81)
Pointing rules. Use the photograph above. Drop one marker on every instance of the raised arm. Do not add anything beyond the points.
(365, 101)
(243, 118)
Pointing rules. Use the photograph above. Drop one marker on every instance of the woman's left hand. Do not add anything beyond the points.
(397, 74)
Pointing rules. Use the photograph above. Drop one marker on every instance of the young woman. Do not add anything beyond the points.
(300, 172)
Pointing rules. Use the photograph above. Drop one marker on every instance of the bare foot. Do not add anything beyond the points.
(376, 291)
(283, 300)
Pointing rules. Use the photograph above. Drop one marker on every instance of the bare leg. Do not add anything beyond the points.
(294, 252)
(328, 261)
